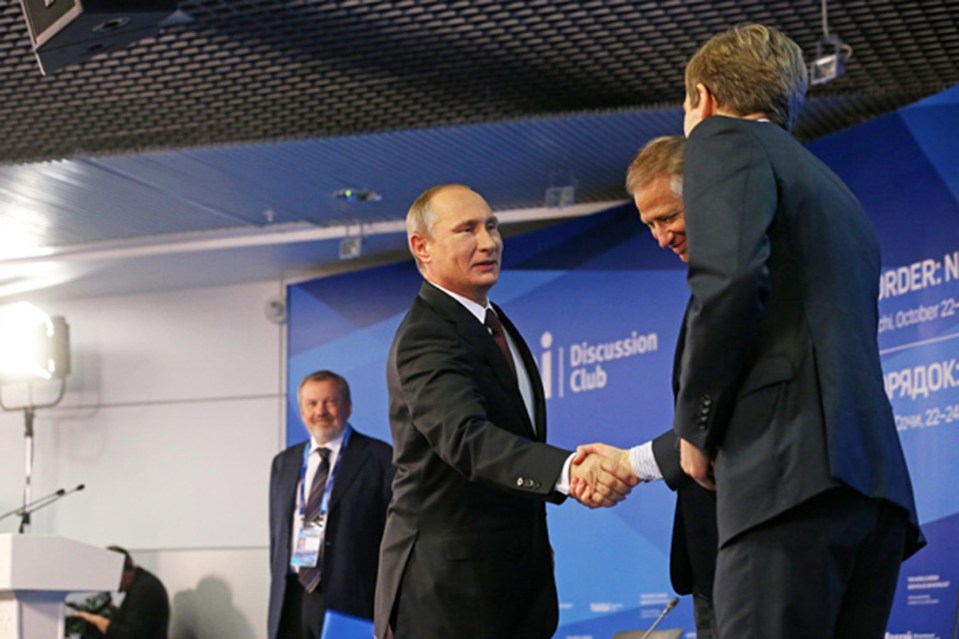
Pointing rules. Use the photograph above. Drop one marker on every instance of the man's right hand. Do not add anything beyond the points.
(601, 475)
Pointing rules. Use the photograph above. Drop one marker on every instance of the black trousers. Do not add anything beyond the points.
(826, 569)
(303, 612)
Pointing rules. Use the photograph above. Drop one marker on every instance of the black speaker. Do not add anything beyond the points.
(65, 32)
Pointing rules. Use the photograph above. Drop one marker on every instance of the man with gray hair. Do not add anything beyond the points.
(328, 498)
(655, 181)
(466, 550)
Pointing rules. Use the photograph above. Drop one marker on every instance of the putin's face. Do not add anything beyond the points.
(463, 248)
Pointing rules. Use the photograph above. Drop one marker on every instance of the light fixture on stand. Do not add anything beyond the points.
(34, 348)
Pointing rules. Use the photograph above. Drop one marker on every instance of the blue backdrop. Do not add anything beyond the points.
(600, 306)
(905, 169)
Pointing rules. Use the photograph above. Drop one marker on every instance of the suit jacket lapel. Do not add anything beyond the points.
(678, 356)
(289, 483)
(350, 464)
(479, 338)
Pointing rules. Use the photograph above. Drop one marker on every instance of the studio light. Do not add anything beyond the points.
(830, 61)
(831, 54)
(33, 345)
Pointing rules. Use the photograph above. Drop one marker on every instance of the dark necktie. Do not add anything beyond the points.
(310, 577)
(499, 336)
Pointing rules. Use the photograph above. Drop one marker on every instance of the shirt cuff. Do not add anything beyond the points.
(644, 464)
(562, 484)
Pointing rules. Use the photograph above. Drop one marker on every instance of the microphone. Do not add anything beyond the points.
(669, 606)
(41, 502)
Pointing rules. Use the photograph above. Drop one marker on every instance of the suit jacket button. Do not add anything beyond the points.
(707, 400)
(519, 482)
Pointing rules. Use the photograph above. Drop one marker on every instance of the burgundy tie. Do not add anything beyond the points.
(310, 577)
(499, 336)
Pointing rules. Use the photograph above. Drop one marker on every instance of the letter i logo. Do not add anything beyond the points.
(546, 364)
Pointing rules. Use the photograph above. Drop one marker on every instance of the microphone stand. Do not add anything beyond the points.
(28, 414)
(26, 510)
(669, 606)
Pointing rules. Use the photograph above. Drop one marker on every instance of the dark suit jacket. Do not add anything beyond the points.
(692, 554)
(357, 514)
(780, 372)
(466, 551)
(144, 612)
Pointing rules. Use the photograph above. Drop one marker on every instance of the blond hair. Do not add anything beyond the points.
(751, 69)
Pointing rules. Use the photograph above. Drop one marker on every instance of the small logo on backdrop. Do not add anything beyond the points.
(585, 361)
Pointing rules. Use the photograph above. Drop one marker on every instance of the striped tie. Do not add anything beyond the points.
(310, 577)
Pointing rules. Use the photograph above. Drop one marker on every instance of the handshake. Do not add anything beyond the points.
(601, 475)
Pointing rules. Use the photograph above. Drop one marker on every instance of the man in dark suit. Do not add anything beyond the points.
(781, 402)
(144, 612)
(466, 552)
(328, 500)
(655, 180)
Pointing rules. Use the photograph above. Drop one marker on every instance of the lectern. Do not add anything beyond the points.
(36, 574)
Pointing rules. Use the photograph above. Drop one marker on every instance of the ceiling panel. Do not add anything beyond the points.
(257, 70)
(243, 117)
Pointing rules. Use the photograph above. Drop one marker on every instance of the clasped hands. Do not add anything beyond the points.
(600, 475)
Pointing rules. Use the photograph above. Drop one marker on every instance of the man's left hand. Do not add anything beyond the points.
(696, 464)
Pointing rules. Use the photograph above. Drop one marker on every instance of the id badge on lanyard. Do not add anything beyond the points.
(306, 553)
(308, 545)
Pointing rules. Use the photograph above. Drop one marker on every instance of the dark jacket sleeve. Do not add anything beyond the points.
(438, 378)
(666, 453)
(730, 197)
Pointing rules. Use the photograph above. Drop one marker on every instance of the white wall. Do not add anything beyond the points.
(171, 416)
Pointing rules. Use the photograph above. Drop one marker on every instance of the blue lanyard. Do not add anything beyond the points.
(325, 504)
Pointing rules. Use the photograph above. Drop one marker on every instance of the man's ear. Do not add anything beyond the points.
(419, 248)
(707, 100)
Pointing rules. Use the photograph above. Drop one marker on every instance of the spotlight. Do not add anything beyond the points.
(33, 345)
(830, 61)
(357, 195)
(831, 54)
